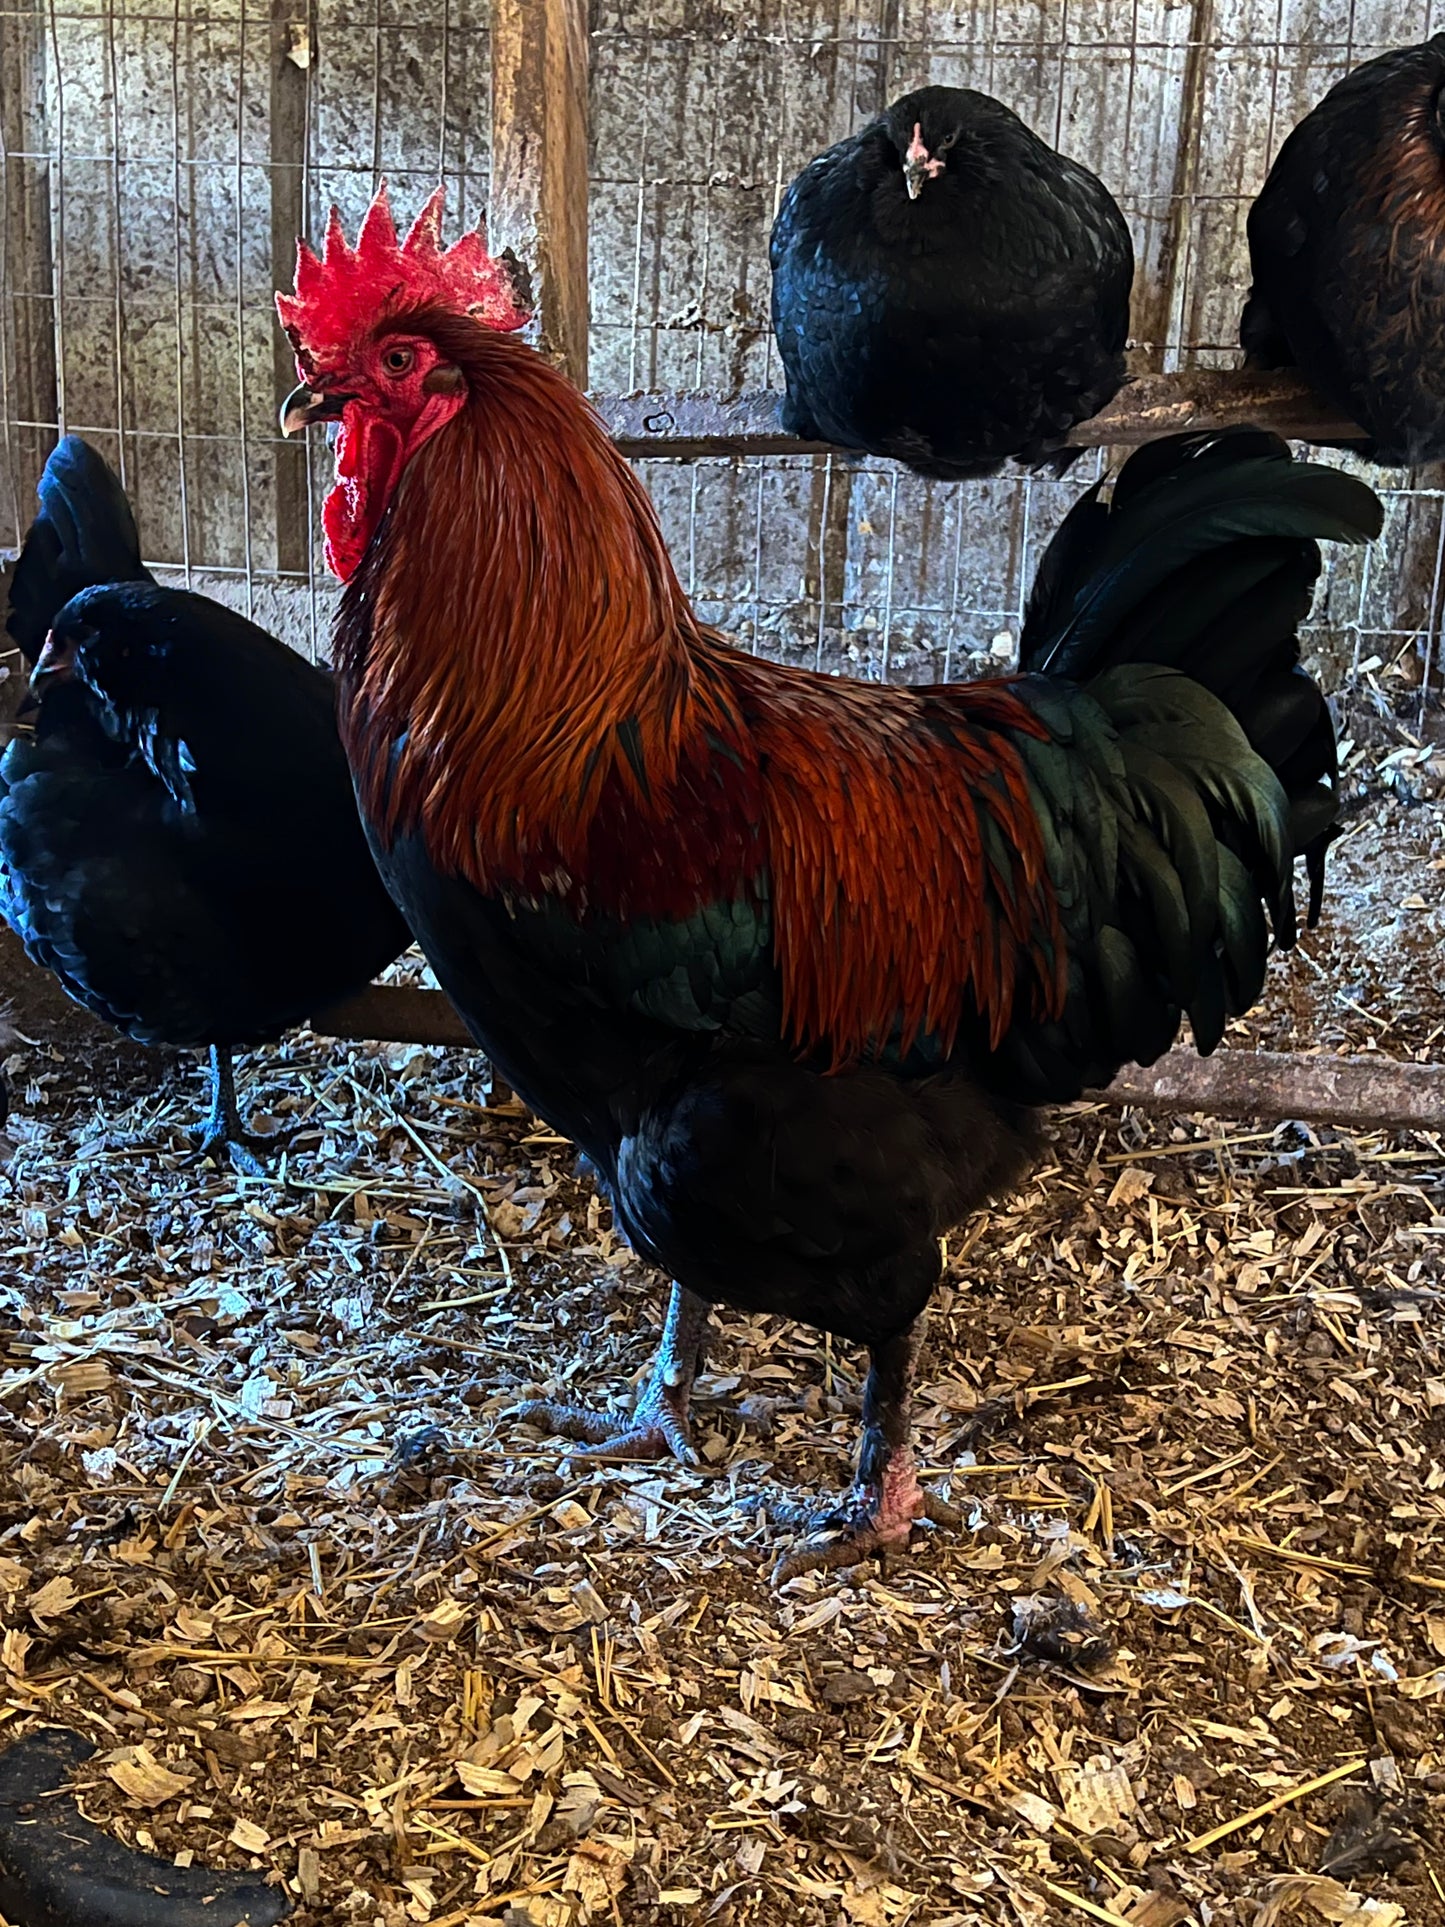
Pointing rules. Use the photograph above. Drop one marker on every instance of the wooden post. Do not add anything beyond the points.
(293, 50)
(27, 268)
(1158, 317)
(539, 164)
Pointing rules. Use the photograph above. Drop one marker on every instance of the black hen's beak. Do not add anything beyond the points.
(918, 164)
(304, 405)
(56, 664)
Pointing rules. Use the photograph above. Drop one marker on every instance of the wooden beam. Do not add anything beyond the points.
(1155, 405)
(538, 205)
(1362, 1093)
(395, 1014)
(1142, 411)
(405, 1014)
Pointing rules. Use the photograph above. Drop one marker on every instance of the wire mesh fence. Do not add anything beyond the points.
(159, 160)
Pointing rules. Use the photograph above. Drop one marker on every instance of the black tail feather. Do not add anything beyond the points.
(1205, 559)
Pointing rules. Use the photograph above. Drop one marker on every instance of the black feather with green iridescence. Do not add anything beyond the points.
(1174, 799)
(1186, 761)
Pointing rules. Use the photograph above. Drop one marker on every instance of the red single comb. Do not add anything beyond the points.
(347, 290)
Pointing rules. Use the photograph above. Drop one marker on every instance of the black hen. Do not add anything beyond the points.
(948, 290)
(179, 841)
(1346, 246)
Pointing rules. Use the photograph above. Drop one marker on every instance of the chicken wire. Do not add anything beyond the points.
(158, 159)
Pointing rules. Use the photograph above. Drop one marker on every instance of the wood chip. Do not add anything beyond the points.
(294, 1544)
(141, 1777)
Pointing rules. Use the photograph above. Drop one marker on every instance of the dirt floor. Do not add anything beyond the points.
(273, 1538)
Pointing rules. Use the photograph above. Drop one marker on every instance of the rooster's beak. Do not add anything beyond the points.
(56, 663)
(304, 405)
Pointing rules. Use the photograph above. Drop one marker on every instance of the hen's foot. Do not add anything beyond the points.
(222, 1137)
(875, 1520)
(239, 1148)
(656, 1429)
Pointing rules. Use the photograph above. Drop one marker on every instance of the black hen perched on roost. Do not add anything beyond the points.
(1347, 244)
(948, 290)
(179, 840)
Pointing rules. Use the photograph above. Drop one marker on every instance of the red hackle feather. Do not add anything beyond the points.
(521, 625)
(345, 292)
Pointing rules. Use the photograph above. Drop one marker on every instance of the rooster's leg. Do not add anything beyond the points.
(222, 1134)
(887, 1500)
(657, 1428)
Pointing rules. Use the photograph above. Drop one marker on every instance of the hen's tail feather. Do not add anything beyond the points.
(1205, 559)
(84, 535)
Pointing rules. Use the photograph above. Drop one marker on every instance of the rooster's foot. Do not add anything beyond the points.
(222, 1137)
(876, 1520)
(658, 1427)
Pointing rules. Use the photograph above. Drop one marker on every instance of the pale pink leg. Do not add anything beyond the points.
(886, 1501)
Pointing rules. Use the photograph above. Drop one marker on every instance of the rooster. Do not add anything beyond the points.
(1347, 244)
(948, 290)
(793, 958)
(179, 842)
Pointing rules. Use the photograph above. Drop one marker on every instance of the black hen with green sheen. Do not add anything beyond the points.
(179, 840)
(948, 290)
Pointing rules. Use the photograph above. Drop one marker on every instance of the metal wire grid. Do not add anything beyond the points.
(155, 174)
(1179, 108)
(159, 147)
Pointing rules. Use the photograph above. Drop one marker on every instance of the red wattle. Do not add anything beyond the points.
(369, 457)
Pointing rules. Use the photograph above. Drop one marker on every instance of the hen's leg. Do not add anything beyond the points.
(657, 1428)
(879, 1514)
(222, 1135)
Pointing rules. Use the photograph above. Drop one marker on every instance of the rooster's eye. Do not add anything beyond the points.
(397, 361)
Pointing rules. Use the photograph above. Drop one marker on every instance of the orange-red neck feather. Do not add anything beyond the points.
(518, 605)
(567, 728)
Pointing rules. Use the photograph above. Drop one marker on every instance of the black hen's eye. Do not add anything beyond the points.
(947, 141)
(398, 360)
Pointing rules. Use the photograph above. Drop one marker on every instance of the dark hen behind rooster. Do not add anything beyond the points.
(1347, 244)
(179, 841)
